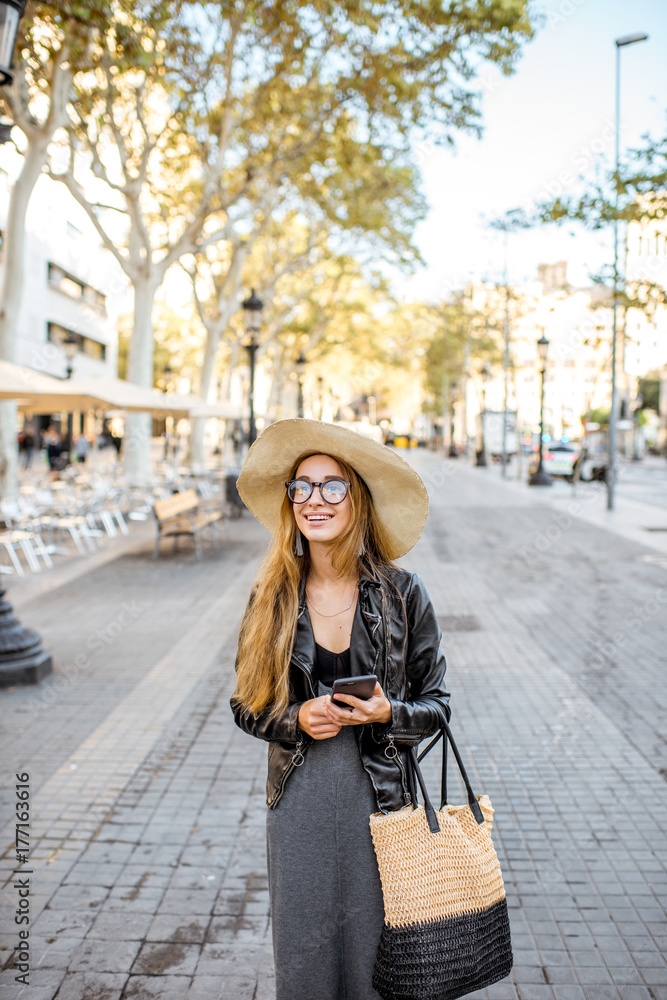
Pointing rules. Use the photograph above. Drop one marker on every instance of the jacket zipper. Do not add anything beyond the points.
(301, 745)
(300, 751)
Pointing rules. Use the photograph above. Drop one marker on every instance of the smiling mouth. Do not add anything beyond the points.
(317, 518)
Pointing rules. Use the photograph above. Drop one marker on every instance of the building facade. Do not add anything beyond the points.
(73, 287)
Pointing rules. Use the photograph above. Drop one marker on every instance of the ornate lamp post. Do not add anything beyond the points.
(252, 312)
(636, 450)
(11, 12)
(165, 385)
(453, 390)
(613, 416)
(541, 477)
(300, 367)
(481, 454)
(22, 659)
(70, 347)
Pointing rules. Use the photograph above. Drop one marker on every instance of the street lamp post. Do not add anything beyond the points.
(320, 392)
(252, 311)
(636, 450)
(22, 659)
(11, 12)
(70, 346)
(167, 372)
(453, 389)
(613, 416)
(300, 367)
(481, 454)
(541, 477)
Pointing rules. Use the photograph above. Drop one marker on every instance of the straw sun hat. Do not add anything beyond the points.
(399, 495)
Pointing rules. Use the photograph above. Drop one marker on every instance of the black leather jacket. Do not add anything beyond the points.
(395, 635)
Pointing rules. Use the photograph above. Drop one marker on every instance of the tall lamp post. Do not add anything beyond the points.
(541, 477)
(453, 389)
(613, 416)
(300, 367)
(22, 659)
(481, 454)
(636, 413)
(11, 12)
(166, 386)
(252, 312)
(70, 347)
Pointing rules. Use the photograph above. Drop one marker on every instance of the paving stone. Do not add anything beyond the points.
(120, 926)
(534, 991)
(102, 955)
(185, 901)
(568, 993)
(210, 988)
(54, 953)
(558, 975)
(86, 985)
(186, 929)
(163, 987)
(172, 959)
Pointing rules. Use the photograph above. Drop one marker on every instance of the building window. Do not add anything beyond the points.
(56, 334)
(74, 288)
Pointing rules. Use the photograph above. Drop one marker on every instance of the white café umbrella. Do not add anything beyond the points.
(19, 382)
(103, 393)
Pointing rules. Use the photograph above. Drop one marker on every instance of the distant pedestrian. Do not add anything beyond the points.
(329, 604)
(27, 448)
(54, 447)
(82, 448)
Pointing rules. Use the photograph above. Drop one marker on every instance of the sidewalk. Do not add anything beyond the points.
(634, 515)
(148, 804)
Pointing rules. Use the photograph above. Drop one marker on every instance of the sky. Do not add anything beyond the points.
(542, 128)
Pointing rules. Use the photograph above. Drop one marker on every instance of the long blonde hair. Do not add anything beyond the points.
(269, 625)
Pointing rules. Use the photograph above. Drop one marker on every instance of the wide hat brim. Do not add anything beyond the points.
(399, 495)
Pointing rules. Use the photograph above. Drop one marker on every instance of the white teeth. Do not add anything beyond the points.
(318, 517)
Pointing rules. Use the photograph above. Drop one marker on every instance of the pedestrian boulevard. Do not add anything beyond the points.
(147, 828)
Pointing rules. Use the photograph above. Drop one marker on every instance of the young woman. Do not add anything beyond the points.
(329, 602)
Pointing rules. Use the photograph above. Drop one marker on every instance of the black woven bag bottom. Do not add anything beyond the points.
(444, 959)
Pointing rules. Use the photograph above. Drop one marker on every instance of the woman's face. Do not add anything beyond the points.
(320, 521)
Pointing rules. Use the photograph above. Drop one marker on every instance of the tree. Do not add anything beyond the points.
(228, 104)
(460, 333)
(55, 42)
(640, 187)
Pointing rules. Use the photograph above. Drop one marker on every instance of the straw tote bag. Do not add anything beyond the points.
(446, 928)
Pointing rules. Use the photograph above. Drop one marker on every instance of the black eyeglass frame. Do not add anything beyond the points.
(319, 485)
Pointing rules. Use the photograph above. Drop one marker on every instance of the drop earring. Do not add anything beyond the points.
(298, 545)
(362, 550)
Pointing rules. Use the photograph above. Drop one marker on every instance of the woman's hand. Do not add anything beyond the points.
(377, 708)
(314, 720)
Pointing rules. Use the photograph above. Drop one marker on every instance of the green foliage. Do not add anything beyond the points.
(462, 338)
(600, 416)
(178, 345)
(638, 193)
(649, 388)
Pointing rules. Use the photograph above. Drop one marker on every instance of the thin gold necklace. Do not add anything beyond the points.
(338, 612)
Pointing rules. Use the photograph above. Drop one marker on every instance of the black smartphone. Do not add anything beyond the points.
(358, 687)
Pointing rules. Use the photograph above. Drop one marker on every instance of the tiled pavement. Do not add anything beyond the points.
(148, 830)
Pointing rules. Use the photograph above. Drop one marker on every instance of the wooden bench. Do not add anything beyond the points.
(181, 514)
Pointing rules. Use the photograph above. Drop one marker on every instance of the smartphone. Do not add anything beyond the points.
(359, 687)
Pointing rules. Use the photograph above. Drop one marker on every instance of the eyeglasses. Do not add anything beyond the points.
(332, 491)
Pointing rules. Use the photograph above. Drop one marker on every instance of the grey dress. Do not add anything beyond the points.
(326, 899)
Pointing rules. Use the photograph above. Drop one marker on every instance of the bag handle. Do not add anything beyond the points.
(413, 765)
